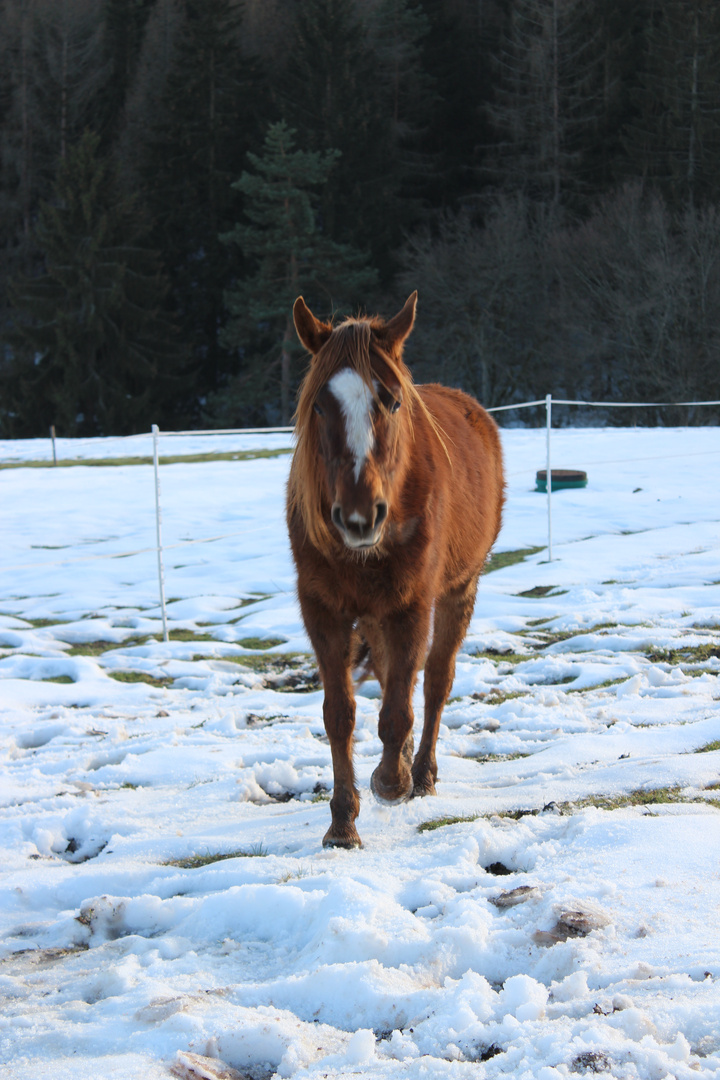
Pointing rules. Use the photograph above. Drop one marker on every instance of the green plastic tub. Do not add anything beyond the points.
(560, 478)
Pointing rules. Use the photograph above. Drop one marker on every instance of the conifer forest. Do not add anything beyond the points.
(173, 173)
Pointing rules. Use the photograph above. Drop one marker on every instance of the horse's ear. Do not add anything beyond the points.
(397, 329)
(310, 330)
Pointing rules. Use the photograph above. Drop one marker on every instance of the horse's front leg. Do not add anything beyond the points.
(405, 641)
(331, 637)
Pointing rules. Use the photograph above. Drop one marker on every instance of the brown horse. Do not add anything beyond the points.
(394, 500)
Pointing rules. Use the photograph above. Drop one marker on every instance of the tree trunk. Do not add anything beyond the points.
(285, 371)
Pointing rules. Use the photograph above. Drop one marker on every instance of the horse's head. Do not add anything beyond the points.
(352, 412)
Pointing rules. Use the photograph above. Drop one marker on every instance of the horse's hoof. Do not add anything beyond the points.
(342, 838)
(421, 788)
(388, 795)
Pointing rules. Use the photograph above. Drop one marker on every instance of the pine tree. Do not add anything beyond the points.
(281, 241)
(122, 37)
(457, 58)
(675, 142)
(206, 120)
(397, 31)
(334, 93)
(94, 352)
(548, 94)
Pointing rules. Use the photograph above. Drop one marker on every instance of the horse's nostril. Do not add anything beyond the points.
(337, 517)
(381, 512)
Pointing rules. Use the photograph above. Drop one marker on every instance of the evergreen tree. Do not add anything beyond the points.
(457, 55)
(50, 69)
(288, 254)
(675, 141)
(122, 37)
(397, 30)
(206, 121)
(334, 93)
(548, 95)
(94, 352)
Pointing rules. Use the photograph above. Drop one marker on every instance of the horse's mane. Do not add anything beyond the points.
(349, 344)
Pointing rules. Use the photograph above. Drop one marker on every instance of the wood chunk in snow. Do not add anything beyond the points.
(570, 924)
(509, 898)
(594, 1061)
(196, 1067)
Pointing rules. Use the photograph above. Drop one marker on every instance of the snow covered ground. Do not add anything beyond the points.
(166, 907)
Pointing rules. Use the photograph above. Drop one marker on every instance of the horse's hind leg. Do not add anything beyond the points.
(370, 631)
(452, 617)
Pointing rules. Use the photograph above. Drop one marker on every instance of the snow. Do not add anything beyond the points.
(551, 927)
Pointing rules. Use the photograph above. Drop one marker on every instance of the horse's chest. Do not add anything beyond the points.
(368, 589)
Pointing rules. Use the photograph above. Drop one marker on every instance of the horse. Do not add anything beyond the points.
(394, 500)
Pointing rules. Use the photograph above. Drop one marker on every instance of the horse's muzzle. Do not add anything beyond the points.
(357, 530)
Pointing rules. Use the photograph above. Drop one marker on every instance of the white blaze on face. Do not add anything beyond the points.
(355, 400)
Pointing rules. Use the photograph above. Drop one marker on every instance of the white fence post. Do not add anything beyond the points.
(548, 471)
(158, 527)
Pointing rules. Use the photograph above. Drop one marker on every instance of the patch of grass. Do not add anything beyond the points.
(193, 862)
(689, 654)
(497, 654)
(261, 643)
(138, 677)
(500, 559)
(91, 648)
(552, 637)
(542, 590)
(189, 635)
(441, 822)
(98, 648)
(170, 459)
(709, 747)
(498, 697)
(64, 680)
(293, 875)
(278, 662)
(638, 797)
(39, 624)
(598, 686)
(486, 759)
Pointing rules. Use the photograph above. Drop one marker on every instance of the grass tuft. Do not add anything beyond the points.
(500, 559)
(138, 677)
(687, 654)
(441, 822)
(261, 643)
(194, 862)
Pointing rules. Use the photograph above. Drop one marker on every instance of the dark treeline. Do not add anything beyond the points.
(173, 173)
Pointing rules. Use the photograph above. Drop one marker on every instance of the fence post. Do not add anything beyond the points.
(52, 436)
(158, 527)
(548, 471)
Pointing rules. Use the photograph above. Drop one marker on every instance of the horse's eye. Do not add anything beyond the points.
(318, 410)
(395, 406)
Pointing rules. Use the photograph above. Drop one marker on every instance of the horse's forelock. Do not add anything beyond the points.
(352, 344)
